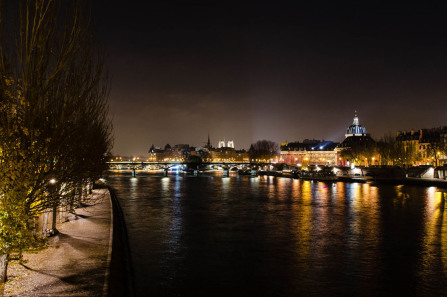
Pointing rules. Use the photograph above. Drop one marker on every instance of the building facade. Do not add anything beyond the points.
(429, 145)
(222, 144)
(180, 152)
(357, 148)
(309, 152)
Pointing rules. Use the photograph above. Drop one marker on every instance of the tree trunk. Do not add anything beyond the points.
(53, 225)
(45, 222)
(81, 196)
(3, 269)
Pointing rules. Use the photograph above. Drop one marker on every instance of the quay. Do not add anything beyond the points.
(87, 258)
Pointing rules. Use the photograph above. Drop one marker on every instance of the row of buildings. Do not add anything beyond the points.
(421, 147)
(426, 147)
(316, 152)
(308, 152)
(225, 152)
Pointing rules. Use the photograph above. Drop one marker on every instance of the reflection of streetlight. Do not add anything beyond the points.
(52, 181)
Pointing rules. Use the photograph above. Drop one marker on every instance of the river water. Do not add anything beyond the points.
(241, 236)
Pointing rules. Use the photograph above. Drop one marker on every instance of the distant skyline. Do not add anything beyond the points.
(270, 70)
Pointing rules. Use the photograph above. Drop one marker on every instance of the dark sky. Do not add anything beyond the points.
(270, 70)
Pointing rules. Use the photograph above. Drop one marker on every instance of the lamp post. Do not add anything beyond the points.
(51, 191)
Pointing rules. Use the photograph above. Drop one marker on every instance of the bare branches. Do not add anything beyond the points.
(263, 150)
(53, 107)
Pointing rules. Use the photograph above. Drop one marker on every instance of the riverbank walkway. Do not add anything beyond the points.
(77, 261)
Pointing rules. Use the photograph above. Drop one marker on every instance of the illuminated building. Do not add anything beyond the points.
(309, 152)
(156, 153)
(355, 129)
(315, 152)
(360, 145)
(179, 152)
(227, 153)
(229, 144)
(429, 144)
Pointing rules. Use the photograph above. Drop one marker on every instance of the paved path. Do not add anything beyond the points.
(76, 263)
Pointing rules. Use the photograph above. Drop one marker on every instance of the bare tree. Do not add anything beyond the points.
(54, 131)
(263, 150)
(436, 149)
(399, 153)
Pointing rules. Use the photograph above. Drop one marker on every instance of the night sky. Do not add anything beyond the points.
(270, 70)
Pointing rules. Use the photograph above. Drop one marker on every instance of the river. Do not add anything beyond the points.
(266, 236)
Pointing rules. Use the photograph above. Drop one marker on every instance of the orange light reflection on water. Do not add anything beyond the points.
(435, 240)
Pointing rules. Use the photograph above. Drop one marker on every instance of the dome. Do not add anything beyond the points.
(355, 129)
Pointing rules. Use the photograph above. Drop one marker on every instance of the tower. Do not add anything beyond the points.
(208, 144)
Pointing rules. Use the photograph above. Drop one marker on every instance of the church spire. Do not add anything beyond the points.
(208, 144)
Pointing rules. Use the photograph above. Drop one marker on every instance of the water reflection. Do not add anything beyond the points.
(165, 184)
(225, 187)
(176, 216)
(268, 236)
(435, 239)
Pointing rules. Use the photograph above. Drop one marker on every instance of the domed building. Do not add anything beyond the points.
(355, 129)
(356, 139)
(357, 147)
